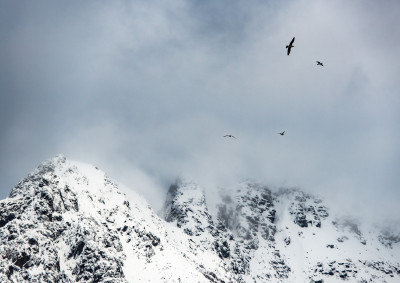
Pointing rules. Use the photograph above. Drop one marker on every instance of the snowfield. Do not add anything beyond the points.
(68, 222)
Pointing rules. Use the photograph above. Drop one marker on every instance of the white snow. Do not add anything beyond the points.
(153, 250)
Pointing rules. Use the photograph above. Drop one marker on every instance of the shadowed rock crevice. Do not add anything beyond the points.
(22, 260)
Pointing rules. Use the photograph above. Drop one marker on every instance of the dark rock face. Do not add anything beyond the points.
(252, 212)
(305, 208)
(282, 270)
(250, 215)
(345, 270)
(33, 226)
(22, 260)
(58, 226)
(6, 217)
(382, 267)
(389, 238)
(223, 249)
(186, 205)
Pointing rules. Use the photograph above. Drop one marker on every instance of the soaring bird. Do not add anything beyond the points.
(319, 63)
(289, 47)
(282, 133)
(229, 136)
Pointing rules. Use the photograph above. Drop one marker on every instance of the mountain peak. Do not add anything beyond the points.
(62, 212)
(186, 205)
(46, 168)
(68, 222)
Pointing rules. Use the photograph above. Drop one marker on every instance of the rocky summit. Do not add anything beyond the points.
(68, 222)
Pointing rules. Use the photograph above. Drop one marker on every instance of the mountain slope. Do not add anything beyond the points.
(284, 236)
(295, 239)
(68, 222)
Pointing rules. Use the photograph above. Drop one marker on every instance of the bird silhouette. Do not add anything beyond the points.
(282, 133)
(289, 47)
(319, 63)
(229, 136)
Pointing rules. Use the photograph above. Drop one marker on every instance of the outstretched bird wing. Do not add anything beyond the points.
(289, 47)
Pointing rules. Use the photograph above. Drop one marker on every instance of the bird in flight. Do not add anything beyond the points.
(289, 47)
(319, 63)
(229, 136)
(282, 133)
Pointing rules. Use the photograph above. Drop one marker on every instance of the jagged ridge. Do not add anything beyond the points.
(68, 222)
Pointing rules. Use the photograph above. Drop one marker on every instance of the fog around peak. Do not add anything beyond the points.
(146, 90)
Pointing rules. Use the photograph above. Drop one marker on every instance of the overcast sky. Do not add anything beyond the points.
(145, 90)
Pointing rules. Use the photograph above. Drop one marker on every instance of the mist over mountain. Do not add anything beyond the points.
(146, 90)
(67, 221)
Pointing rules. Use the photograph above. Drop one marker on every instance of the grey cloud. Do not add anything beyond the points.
(146, 89)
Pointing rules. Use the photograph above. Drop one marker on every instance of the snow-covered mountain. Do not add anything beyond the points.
(68, 222)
